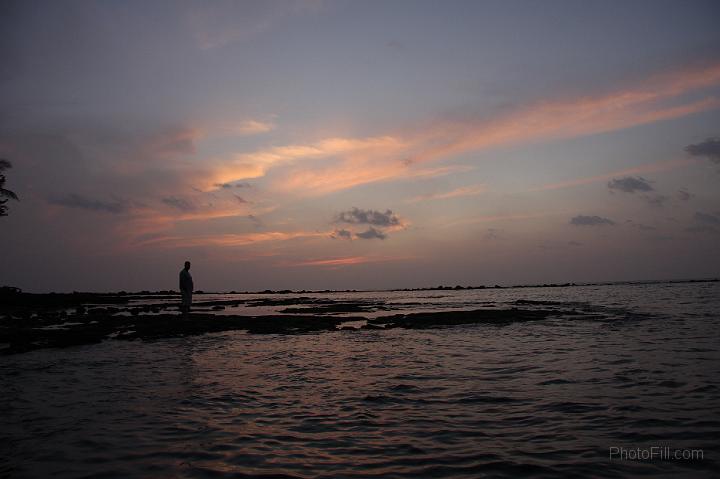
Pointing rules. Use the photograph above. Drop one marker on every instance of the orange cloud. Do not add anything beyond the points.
(580, 116)
(152, 225)
(359, 170)
(225, 128)
(347, 261)
(360, 161)
(256, 164)
(229, 240)
(253, 127)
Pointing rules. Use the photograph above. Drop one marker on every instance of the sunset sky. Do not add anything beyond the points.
(358, 144)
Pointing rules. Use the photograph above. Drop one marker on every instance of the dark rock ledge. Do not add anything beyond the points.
(53, 330)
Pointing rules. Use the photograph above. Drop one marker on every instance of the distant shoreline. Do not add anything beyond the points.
(8, 290)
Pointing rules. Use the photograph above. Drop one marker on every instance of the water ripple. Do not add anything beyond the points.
(539, 399)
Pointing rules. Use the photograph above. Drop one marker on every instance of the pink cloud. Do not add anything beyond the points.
(348, 162)
(346, 261)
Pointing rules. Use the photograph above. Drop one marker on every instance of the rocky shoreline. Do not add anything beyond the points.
(29, 322)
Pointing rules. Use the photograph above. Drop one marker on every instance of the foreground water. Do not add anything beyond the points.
(542, 398)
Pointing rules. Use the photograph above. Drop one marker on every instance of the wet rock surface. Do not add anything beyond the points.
(449, 318)
(334, 308)
(55, 321)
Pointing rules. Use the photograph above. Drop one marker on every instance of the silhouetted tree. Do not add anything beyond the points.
(5, 194)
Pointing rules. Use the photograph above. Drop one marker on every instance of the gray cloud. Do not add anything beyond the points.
(582, 220)
(257, 222)
(709, 149)
(240, 199)
(370, 217)
(74, 200)
(630, 184)
(701, 229)
(707, 218)
(657, 200)
(704, 223)
(643, 227)
(371, 233)
(634, 184)
(178, 203)
(550, 245)
(640, 226)
(341, 234)
(661, 238)
(491, 234)
(684, 194)
(230, 185)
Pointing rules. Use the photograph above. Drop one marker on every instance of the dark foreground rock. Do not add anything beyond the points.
(58, 328)
(450, 318)
(334, 308)
(25, 334)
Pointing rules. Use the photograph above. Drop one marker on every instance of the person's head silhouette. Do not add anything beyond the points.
(187, 264)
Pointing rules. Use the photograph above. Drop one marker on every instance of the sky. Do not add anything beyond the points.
(358, 144)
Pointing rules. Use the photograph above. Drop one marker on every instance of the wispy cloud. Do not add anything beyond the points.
(181, 204)
(172, 142)
(219, 24)
(498, 218)
(457, 192)
(230, 185)
(256, 164)
(573, 117)
(684, 195)
(582, 220)
(74, 200)
(657, 200)
(252, 127)
(357, 161)
(347, 261)
(231, 240)
(647, 168)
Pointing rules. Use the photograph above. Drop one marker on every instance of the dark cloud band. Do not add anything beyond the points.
(582, 220)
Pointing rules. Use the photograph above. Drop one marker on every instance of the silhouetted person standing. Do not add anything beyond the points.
(186, 287)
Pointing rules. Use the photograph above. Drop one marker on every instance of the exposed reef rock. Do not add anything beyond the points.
(30, 321)
(25, 334)
(451, 318)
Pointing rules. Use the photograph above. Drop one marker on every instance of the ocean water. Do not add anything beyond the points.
(529, 399)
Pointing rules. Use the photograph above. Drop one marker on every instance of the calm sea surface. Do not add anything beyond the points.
(541, 399)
